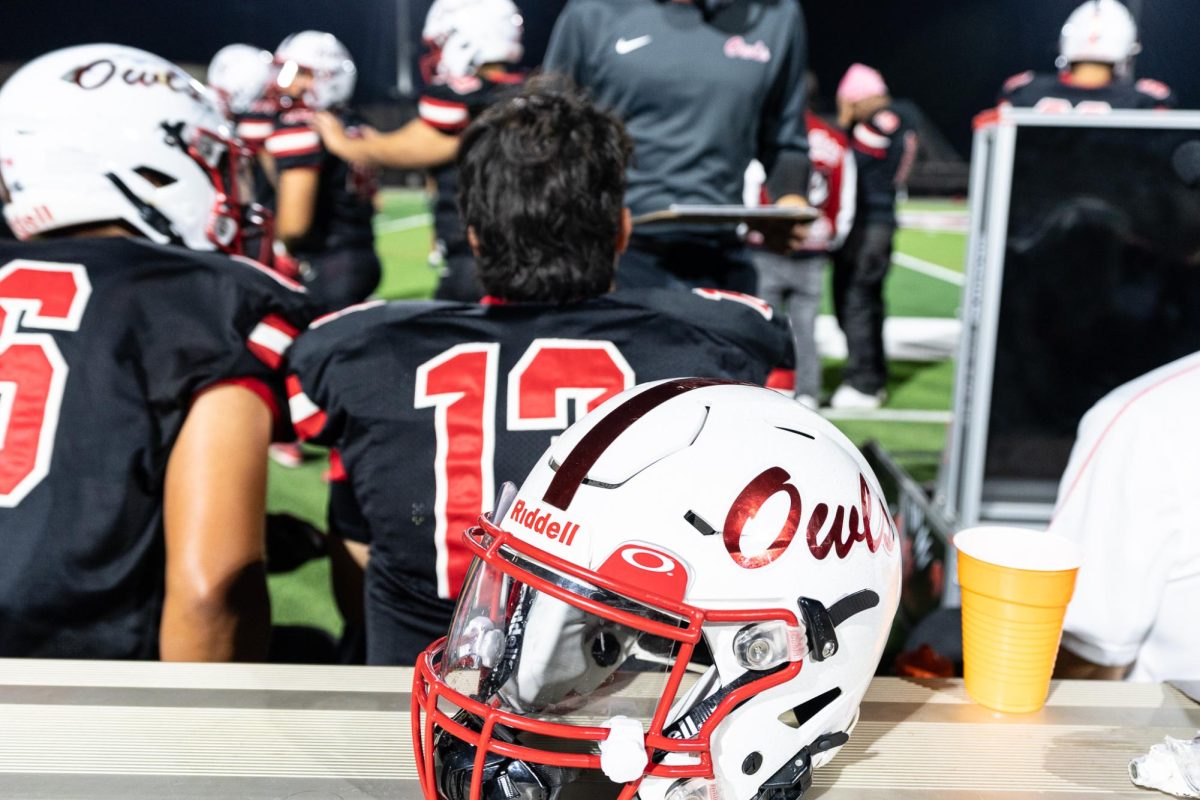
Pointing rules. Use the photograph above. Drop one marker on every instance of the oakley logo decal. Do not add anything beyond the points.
(646, 569)
(649, 560)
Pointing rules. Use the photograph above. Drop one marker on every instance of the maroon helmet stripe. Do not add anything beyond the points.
(584, 455)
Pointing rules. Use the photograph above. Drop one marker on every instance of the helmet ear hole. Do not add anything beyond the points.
(154, 177)
(797, 716)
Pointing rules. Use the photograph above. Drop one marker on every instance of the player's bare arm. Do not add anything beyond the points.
(417, 145)
(216, 606)
(348, 564)
(797, 233)
(296, 204)
(1072, 666)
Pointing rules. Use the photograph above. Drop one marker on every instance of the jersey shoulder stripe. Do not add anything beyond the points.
(270, 339)
(1156, 89)
(444, 115)
(293, 142)
(1017, 81)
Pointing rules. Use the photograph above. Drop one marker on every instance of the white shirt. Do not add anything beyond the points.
(1131, 498)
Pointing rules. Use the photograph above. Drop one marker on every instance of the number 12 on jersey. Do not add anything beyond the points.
(461, 385)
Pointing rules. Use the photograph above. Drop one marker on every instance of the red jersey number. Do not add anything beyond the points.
(461, 385)
(34, 295)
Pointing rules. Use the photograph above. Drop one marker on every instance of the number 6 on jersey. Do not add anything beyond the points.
(33, 374)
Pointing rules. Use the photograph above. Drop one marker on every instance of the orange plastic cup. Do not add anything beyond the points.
(1016, 584)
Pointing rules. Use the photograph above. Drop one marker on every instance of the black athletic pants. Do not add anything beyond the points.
(858, 272)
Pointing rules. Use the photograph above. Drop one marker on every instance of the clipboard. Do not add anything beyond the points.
(727, 214)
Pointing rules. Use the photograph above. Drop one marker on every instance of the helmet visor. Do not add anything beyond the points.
(549, 655)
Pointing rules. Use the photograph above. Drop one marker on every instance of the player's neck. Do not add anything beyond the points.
(865, 109)
(1087, 75)
(104, 230)
(494, 71)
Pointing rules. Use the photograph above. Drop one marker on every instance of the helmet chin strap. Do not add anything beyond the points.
(149, 214)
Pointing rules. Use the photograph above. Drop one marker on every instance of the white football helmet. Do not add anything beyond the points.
(1102, 31)
(326, 58)
(239, 74)
(154, 150)
(678, 515)
(463, 35)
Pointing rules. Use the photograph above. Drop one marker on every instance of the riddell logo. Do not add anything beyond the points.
(30, 224)
(538, 522)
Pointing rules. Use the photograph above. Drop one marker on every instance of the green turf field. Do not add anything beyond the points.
(919, 286)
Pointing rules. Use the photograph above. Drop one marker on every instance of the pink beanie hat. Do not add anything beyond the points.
(859, 83)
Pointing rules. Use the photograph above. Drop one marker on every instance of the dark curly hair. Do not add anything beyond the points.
(542, 185)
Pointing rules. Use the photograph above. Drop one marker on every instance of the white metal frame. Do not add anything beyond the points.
(960, 484)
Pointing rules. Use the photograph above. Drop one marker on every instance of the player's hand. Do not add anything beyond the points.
(332, 132)
(783, 236)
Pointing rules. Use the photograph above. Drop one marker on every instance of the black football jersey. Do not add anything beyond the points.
(103, 345)
(450, 105)
(432, 406)
(345, 192)
(1054, 93)
(885, 147)
(255, 125)
(253, 128)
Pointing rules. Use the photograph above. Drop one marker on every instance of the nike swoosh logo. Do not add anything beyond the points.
(629, 45)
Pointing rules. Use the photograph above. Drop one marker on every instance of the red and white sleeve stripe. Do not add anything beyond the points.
(443, 114)
(307, 417)
(748, 300)
(293, 142)
(270, 339)
(870, 141)
(255, 131)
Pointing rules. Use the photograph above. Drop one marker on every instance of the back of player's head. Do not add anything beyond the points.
(1099, 31)
(154, 153)
(463, 35)
(315, 67)
(542, 186)
(239, 74)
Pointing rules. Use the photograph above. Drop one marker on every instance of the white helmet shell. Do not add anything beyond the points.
(156, 152)
(1102, 31)
(466, 34)
(239, 74)
(743, 506)
(333, 70)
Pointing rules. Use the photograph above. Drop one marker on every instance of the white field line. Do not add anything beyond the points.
(403, 223)
(877, 415)
(934, 221)
(904, 338)
(900, 259)
(928, 268)
(889, 415)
